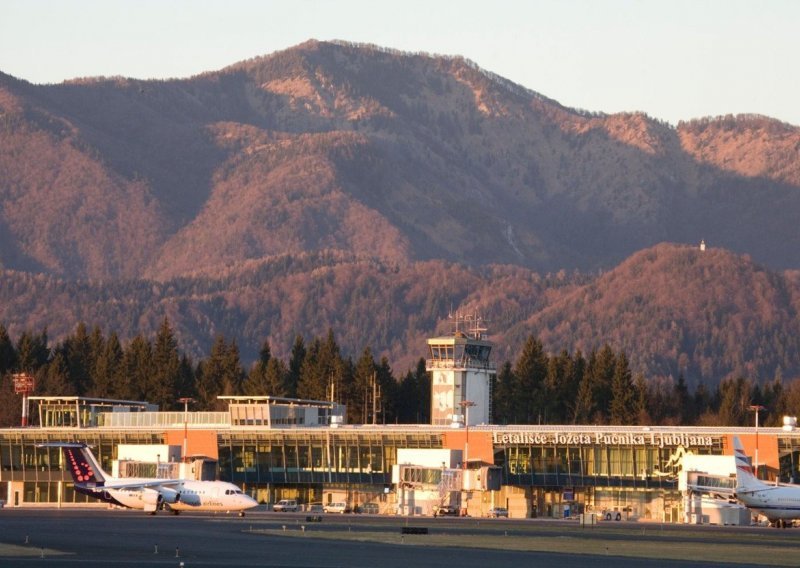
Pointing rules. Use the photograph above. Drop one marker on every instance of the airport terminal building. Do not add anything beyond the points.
(276, 448)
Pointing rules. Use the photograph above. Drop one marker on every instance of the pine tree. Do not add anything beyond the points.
(187, 384)
(163, 383)
(774, 401)
(136, 368)
(108, 368)
(256, 384)
(683, 402)
(702, 400)
(364, 375)
(322, 367)
(32, 352)
(8, 355)
(641, 400)
(234, 374)
(53, 379)
(387, 393)
(560, 387)
(734, 398)
(97, 345)
(310, 385)
(10, 408)
(277, 377)
(503, 396)
(423, 380)
(220, 374)
(76, 350)
(530, 372)
(602, 374)
(296, 360)
(623, 396)
(407, 399)
(575, 368)
(584, 408)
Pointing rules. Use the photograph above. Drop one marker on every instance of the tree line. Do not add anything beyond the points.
(538, 388)
(89, 363)
(600, 388)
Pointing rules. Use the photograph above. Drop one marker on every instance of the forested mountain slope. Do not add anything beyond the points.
(672, 309)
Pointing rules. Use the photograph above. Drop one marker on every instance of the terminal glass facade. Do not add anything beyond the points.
(545, 470)
(592, 465)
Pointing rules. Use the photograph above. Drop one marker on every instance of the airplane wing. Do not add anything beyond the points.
(143, 484)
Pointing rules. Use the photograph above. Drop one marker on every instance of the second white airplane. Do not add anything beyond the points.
(780, 504)
(150, 494)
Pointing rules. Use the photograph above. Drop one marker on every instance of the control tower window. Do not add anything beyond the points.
(441, 352)
(474, 352)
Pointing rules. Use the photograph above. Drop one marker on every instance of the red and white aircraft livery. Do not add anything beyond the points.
(778, 503)
(150, 494)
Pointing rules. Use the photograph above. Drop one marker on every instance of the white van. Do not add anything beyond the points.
(338, 507)
(285, 506)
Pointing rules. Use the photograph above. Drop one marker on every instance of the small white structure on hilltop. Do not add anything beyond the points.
(702, 244)
(461, 375)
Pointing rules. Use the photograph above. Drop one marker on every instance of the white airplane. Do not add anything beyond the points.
(150, 494)
(778, 503)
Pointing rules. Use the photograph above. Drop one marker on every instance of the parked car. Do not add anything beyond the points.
(370, 509)
(445, 511)
(285, 506)
(337, 507)
(497, 512)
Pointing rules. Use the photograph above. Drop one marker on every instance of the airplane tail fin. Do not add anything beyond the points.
(745, 478)
(82, 465)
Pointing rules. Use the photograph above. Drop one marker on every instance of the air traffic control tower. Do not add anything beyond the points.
(461, 375)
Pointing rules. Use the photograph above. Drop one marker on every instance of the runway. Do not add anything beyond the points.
(73, 537)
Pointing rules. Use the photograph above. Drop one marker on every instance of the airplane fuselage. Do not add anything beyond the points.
(774, 502)
(184, 496)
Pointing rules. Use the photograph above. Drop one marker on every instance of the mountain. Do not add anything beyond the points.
(394, 156)
(372, 191)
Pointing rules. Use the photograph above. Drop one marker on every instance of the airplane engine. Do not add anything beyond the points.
(191, 499)
(151, 499)
(169, 496)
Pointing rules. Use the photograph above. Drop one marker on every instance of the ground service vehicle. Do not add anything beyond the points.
(285, 506)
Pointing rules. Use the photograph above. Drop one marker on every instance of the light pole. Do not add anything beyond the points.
(465, 404)
(755, 408)
(185, 400)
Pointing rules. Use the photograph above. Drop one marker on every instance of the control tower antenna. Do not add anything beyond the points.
(477, 326)
(474, 326)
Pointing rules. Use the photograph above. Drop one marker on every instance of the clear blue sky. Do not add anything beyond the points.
(673, 59)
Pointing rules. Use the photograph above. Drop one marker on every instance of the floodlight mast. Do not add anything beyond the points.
(23, 384)
(185, 400)
(755, 408)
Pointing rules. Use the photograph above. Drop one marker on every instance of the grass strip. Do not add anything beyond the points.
(596, 545)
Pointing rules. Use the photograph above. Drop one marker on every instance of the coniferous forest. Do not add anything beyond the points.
(538, 388)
